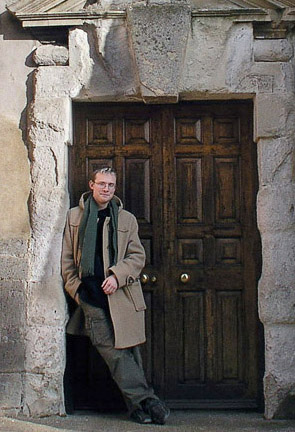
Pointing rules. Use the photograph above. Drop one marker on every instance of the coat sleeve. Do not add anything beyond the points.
(69, 259)
(134, 259)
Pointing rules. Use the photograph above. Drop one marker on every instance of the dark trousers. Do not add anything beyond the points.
(125, 364)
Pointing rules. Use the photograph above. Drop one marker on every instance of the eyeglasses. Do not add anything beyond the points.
(103, 185)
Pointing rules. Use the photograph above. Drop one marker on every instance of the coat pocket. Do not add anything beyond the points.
(134, 292)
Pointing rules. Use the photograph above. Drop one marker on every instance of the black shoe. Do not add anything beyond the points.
(156, 409)
(139, 416)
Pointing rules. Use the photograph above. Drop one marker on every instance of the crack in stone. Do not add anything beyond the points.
(283, 161)
(55, 167)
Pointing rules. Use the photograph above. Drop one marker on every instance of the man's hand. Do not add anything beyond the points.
(110, 285)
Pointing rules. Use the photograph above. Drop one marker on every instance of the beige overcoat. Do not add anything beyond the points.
(127, 304)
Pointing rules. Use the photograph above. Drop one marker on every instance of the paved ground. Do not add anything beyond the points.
(179, 421)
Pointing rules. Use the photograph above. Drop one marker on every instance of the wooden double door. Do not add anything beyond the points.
(188, 173)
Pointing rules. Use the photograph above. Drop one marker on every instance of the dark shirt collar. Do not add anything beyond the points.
(104, 212)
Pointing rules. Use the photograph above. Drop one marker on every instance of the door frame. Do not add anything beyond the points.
(260, 336)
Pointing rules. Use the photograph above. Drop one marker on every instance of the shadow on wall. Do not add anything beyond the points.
(11, 28)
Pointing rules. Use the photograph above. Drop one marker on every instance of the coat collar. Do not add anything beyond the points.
(85, 195)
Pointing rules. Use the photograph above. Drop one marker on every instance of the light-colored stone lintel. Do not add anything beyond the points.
(65, 18)
(52, 23)
(78, 18)
(82, 14)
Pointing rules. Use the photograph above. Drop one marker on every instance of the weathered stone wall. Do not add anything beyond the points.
(49, 118)
(112, 60)
(275, 116)
(15, 48)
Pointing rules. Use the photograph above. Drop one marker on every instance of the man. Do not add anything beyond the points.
(102, 258)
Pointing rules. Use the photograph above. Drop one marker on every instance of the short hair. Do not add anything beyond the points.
(103, 170)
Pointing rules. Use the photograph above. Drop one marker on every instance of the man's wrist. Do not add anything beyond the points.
(115, 277)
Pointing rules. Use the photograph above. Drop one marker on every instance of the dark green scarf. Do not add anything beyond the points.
(88, 233)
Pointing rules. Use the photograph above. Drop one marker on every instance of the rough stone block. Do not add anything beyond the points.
(279, 379)
(54, 82)
(159, 36)
(11, 390)
(45, 350)
(49, 170)
(277, 284)
(13, 268)
(45, 255)
(51, 55)
(43, 395)
(79, 53)
(278, 256)
(256, 83)
(12, 348)
(218, 57)
(273, 50)
(49, 120)
(271, 78)
(12, 326)
(46, 302)
(276, 161)
(14, 247)
(102, 58)
(112, 53)
(12, 303)
(276, 302)
(275, 116)
(49, 193)
(14, 259)
(276, 208)
(98, 70)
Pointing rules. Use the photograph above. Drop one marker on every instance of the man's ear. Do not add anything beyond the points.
(91, 186)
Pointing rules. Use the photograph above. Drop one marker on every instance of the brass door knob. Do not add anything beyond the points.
(184, 278)
(154, 279)
(144, 278)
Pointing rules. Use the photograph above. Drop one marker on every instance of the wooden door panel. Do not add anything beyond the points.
(100, 132)
(190, 251)
(189, 190)
(192, 358)
(229, 330)
(187, 172)
(137, 188)
(228, 251)
(188, 131)
(137, 131)
(209, 158)
(227, 190)
(226, 130)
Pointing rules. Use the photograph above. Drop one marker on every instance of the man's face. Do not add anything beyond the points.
(103, 188)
